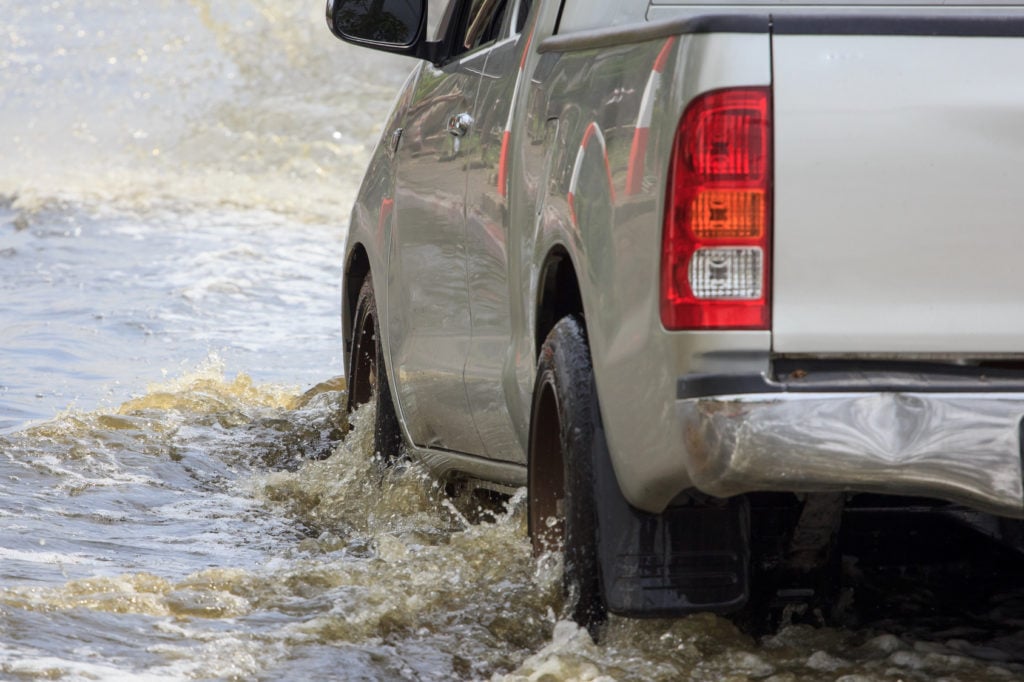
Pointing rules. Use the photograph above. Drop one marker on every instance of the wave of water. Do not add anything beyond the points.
(214, 528)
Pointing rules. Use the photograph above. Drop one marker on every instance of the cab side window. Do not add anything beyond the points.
(467, 25)
(483, 22)
(522, 13)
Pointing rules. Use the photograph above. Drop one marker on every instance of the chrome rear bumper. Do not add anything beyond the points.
(961, 447)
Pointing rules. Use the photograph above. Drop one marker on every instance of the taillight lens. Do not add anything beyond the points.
(715, 258)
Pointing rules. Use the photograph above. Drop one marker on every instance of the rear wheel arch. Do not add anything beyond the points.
(558, 294)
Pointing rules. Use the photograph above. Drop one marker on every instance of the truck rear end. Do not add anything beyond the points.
(892, 284)
(838, 233)
(840, 308)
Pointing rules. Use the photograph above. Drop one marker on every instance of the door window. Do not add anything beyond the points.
(522, 13)
(484, 22)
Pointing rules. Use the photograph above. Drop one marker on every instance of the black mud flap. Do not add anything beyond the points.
(691, 558)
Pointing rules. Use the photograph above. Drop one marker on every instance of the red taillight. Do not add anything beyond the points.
(715, 247)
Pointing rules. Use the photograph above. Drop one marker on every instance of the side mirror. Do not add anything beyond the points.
(390, 25)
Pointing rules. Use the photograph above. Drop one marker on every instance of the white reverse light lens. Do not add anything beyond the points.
(732, 273)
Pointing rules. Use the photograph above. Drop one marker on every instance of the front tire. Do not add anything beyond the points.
(367, 375)
(565, 428)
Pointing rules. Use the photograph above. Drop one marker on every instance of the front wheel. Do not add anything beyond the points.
(367, 375)
(565, 428)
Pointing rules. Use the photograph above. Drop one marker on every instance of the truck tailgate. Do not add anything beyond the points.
(899, 194)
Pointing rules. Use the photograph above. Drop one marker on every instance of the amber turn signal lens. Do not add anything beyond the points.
(728, 214)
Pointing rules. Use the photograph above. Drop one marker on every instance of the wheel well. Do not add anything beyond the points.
(355, 274)
(559, 294)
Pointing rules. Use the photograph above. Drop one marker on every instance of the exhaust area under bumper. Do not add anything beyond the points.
(961, 447)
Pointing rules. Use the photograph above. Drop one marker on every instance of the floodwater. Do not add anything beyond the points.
(176, 500)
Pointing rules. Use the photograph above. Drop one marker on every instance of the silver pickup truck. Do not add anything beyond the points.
(702, 276)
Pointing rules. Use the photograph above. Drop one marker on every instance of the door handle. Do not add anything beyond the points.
(459, 124)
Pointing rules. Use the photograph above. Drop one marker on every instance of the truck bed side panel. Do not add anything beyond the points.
(617, 110)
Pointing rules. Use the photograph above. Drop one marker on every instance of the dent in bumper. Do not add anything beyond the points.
(961, 447)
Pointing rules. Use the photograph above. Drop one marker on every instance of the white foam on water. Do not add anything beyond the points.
(42, 557)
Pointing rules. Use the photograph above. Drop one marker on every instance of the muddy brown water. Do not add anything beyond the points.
(176, 502)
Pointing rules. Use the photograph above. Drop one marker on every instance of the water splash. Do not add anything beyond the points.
(296, 552)
(232, 105)
(352, 552)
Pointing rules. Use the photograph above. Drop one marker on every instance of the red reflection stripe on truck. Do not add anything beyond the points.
(503, 158)
(503, 161)
(593, 131)
(386, 206)
(638, 151)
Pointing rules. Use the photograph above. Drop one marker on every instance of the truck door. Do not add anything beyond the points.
(428, 303)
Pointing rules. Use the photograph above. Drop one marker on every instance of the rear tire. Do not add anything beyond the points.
(368, 377)
(564, 429)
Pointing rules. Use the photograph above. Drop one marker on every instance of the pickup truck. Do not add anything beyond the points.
(703, 277)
